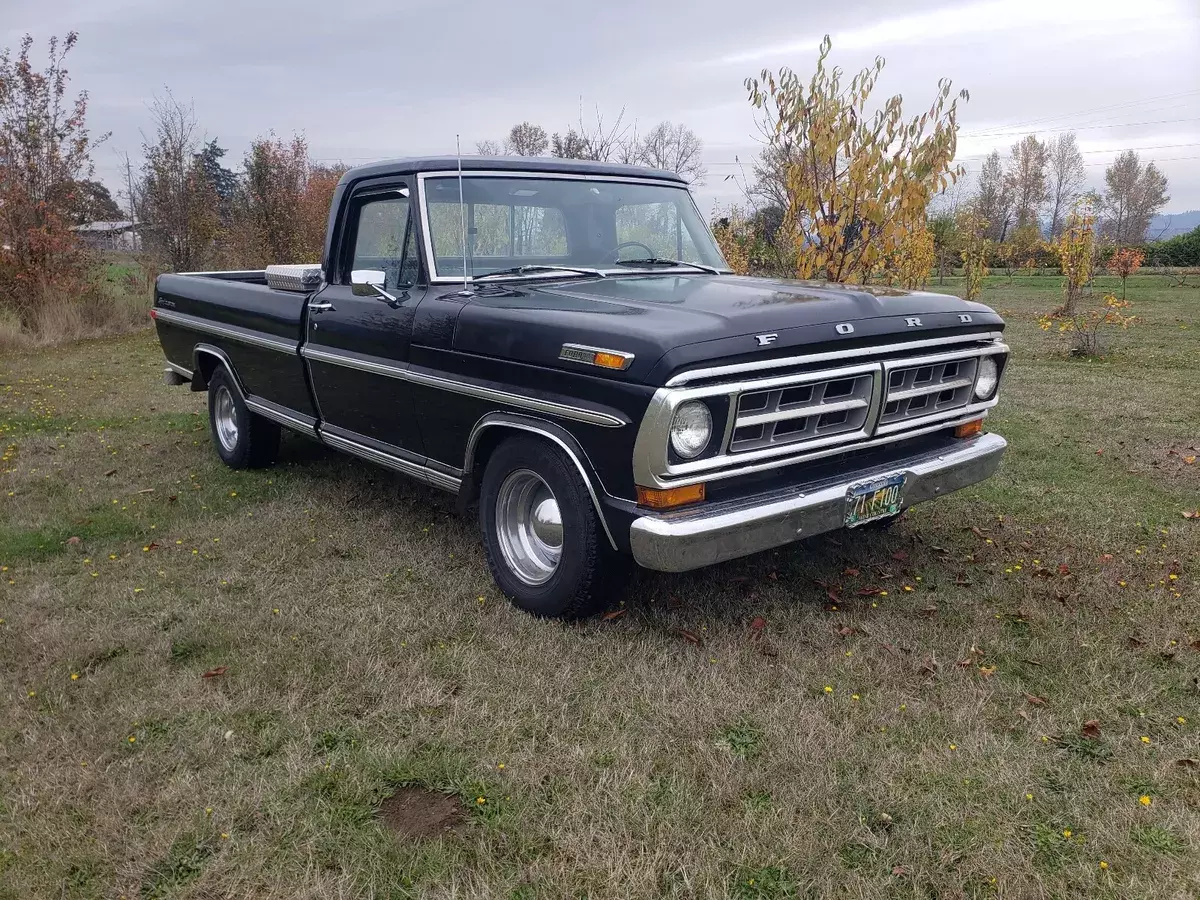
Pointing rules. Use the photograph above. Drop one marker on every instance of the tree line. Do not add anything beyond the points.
(846, 188)
(675, 148)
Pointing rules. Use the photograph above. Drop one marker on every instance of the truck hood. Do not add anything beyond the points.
(673, 321)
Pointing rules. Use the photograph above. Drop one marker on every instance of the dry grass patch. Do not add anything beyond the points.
(864, 715)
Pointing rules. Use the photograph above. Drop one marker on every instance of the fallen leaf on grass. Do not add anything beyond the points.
(146, 491)
(845, 631)
(899, 870)
(1035, 700)
(929, 667)
(850, 572)
(110, 473)
(1107, 557)
(1091, 729)
(612, 614)
(690, 636)
(987, 672)
(975, 530)
(213, 673)
(1191, 514)
(1133, 643)
(961, 578)
(868, 592)
(1064, 569)
(1189, 762)
(929, 611)
(1190, 460)
(72, 540)
(757, 624)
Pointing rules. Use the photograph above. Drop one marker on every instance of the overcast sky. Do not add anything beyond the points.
(369, 79)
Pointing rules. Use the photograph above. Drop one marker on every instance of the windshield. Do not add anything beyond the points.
(613, 226)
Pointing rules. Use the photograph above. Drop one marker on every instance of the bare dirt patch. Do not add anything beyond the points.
(415, 812)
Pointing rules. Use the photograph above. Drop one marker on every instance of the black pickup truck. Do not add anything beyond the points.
(562, 344)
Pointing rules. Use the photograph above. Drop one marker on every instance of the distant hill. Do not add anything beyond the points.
(1170, 224)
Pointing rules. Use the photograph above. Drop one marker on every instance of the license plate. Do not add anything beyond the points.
(875, 499)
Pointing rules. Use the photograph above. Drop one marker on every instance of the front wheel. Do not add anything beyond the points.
(545, 544)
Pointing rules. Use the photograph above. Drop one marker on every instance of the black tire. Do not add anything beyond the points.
(588, 569)
(254, 443)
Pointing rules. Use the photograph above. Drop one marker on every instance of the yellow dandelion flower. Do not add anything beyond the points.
(1067, 833)
(1103, 864)
(954, 746)
(855, 697)
(132, 739)
(1181, 720)
(1029, 796)
(480, 800)
(828, 689)
(908, 587)
(1144, 739)
(74, 676)
(500, 765)
(1145, 800)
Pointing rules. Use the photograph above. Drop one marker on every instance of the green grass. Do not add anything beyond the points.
(367, 649)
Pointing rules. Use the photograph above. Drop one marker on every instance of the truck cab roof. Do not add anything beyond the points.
(550, 164)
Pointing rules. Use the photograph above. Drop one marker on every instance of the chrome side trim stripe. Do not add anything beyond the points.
(836, 355)
(282, 415)
(234, 333)
(186, 374)
(404, 466)
(520, 401)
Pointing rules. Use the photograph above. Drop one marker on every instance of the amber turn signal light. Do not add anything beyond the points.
(665, 499)
(609, 360)
(969, 429)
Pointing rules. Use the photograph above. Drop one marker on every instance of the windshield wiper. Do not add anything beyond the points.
(531, 269)
(659, 261)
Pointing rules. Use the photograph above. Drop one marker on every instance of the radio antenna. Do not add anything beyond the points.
(462, 216)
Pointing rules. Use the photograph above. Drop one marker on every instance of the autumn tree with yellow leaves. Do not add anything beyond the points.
(858, 185)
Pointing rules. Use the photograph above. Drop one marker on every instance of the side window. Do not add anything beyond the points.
(385, 239)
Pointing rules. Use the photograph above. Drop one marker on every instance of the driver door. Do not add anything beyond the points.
(358, 336)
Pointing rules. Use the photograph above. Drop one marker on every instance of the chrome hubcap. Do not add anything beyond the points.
(225, 418)
(529, 527)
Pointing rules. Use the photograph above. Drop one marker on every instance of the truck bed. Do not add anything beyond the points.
(251, 323)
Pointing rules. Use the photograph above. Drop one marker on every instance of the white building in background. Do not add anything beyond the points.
(110, 235)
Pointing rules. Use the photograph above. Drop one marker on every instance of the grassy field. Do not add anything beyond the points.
(864, 715)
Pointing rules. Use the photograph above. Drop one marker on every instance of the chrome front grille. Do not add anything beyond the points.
(916, 391)
(771, 413)
(802, 412)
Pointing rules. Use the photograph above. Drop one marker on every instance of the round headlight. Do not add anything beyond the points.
(987, 379)
(690, 429)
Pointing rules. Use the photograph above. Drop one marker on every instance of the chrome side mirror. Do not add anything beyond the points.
(370, 282)
(367, 282)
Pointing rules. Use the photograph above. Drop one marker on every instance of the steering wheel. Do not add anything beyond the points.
(616, 254)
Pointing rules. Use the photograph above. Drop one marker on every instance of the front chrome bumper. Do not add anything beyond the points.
(689, 539)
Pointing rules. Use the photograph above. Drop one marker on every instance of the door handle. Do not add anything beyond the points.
(320, 307)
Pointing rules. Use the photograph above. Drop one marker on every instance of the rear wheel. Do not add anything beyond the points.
(243, 439)
(545, 544)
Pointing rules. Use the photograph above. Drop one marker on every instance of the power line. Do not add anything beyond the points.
(1084, 112)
